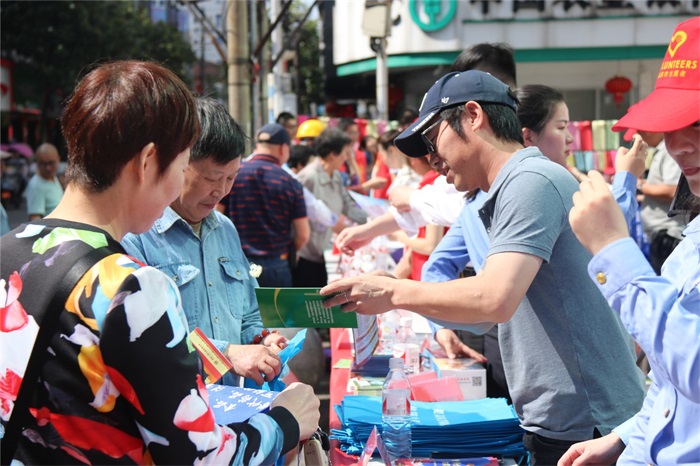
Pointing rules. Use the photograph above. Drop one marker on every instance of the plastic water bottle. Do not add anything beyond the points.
(406, 346)
(396, 411)
(388, 330)
(406, 333)
(382, 254)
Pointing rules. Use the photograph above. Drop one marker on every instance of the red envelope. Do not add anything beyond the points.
(444, 389)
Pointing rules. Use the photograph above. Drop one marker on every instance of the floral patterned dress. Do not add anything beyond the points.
(121, 383)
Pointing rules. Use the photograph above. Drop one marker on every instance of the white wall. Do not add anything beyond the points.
(527, 31)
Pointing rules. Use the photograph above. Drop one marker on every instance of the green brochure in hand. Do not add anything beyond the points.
(300, 307)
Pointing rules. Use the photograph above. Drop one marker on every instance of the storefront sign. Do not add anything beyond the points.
(6, 99)
(432, 15)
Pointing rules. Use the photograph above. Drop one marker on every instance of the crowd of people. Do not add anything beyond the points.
(517, 259)
(537, 279)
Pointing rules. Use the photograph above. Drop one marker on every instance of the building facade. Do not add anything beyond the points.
(573, 46)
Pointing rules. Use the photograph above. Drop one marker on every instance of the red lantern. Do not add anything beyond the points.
(618, 86)
(395, 96)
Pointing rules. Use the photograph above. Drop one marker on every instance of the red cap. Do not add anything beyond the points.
(629, 134)
(675, 101)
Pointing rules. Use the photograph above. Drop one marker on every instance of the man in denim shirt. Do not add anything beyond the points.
(200, 250)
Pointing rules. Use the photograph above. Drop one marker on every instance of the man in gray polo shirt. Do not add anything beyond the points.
(568, 361)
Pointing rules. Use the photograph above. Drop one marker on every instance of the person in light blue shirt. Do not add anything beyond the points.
(662, 313)
(568, 361)
(44, 191)
(199, 248)
(4, 224)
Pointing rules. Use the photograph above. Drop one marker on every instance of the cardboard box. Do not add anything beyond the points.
(470, 374)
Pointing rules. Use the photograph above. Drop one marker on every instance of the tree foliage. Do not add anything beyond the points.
(307, 68)
(53, 42)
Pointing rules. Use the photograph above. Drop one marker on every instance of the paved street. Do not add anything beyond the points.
(16, 216)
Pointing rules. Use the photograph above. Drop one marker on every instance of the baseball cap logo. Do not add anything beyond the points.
(677, 40)
(444, 100)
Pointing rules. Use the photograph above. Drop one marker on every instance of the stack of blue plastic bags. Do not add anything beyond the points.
(446, 429)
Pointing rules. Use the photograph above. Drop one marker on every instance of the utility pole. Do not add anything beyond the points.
(201, 59)
(376, 23)
(238, 60)
(382, 80)
(276, 90)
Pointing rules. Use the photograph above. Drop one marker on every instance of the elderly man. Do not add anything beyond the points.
(44, 190)
(267, 204)
(199, 249)
(569, 362)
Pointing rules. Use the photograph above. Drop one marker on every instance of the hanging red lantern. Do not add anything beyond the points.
(618, 86)
(395, 96)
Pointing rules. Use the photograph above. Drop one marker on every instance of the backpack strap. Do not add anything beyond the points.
(49, 324)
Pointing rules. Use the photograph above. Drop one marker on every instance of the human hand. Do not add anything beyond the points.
(595, 218)
(256, 362)
(368, 294)
(275, 341)
(405, 266)
(352, 238)
(632, 160)
(299, 399)
(578, 174)
(604, 450)
(454, 347)
(398, 235)
(400, 197)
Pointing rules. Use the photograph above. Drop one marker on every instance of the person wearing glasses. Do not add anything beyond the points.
(569, 362)
(44, 191)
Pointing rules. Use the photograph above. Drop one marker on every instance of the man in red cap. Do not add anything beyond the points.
(658, 187)
(662, 313)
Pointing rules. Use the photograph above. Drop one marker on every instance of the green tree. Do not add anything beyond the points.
(307, 67)
(53, 42)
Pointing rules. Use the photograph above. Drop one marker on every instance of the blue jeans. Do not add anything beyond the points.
(275, 271)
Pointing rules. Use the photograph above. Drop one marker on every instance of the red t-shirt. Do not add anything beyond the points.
(382, 172)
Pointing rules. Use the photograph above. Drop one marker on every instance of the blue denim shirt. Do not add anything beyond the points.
(218, 293)
(662, 313)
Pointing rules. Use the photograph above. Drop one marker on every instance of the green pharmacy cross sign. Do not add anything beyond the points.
(439, 13)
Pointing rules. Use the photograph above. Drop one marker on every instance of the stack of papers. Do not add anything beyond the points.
(376, 366)
(446, 429)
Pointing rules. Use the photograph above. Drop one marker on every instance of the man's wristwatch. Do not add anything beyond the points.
(640, 184)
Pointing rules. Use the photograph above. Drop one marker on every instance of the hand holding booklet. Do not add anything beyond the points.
(300, 307)
(303, 307)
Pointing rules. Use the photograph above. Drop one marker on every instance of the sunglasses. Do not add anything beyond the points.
(432, 150)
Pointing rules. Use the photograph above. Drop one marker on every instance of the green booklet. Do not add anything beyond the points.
(300, 307)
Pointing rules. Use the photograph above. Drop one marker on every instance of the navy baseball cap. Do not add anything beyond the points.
(274, 133)
(452, 90)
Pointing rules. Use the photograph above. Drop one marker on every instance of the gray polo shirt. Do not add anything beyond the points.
(568, 360)
(663, 170)
(331, 191)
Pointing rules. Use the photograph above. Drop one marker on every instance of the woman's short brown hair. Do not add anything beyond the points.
(115, 111)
